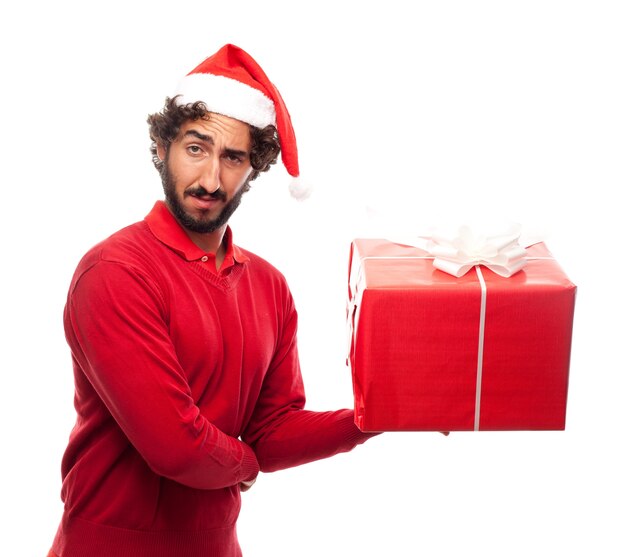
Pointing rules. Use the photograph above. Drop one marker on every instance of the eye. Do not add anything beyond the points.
(194, 150)
(232, 160)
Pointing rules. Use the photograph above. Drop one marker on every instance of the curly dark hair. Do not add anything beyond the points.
(165, 125)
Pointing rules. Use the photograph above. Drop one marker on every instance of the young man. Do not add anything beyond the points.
(184, 345)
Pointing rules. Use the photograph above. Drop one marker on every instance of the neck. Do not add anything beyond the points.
(210, 242)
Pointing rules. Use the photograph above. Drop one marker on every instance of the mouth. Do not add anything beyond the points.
(205, 200)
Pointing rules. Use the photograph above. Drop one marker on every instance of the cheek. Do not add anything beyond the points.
(184, 175)
(184, 179)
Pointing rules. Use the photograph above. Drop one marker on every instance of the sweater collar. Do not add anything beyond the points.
(167, 230)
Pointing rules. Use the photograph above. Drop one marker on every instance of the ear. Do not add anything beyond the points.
(160, 151)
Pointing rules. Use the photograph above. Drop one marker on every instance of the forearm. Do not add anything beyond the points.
(212, 460)
(303, 436)
(162, 422)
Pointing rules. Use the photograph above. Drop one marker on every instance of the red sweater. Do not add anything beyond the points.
(187, 383)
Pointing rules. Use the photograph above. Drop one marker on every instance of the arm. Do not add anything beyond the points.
(116, 325)
(281, 432)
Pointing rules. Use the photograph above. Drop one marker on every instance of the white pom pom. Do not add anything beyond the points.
(299, 189)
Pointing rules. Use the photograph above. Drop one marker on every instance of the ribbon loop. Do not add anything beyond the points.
(456, 255)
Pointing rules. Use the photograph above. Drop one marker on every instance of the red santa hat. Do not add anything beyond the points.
(231, 83)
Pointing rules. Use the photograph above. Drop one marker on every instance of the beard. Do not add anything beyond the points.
(201, 225)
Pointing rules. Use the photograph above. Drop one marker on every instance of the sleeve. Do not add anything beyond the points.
(282, 433)
(116, 325)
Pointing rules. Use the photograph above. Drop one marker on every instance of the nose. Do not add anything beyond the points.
(210, 178)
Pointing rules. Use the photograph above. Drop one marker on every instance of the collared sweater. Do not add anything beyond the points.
(187, 384)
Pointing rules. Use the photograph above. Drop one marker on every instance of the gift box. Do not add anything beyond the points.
(430, 351)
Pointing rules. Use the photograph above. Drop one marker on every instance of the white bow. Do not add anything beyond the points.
(456, 255)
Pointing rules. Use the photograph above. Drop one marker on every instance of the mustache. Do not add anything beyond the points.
(199, 191)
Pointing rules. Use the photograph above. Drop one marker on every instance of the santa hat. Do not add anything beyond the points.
(231, 83)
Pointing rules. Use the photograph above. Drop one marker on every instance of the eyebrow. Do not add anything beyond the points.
(209, 140)
(200, 136)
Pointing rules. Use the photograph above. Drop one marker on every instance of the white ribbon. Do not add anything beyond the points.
(456, 255)
(481, 346)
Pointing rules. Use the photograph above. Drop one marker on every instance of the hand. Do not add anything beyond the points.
(245, 486)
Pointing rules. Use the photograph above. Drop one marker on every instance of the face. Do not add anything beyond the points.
(205, 170)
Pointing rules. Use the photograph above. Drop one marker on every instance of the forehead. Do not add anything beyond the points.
(220, 130)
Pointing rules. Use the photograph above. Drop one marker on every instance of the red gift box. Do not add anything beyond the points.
(432, 352)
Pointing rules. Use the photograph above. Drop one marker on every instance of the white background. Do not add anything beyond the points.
(408, 114)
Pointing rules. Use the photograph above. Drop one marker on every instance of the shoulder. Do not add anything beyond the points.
(262, 267)
(121, 244)
(132, 247)
(267, 281)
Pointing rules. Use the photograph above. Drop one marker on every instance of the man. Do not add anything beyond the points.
(184, 345)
